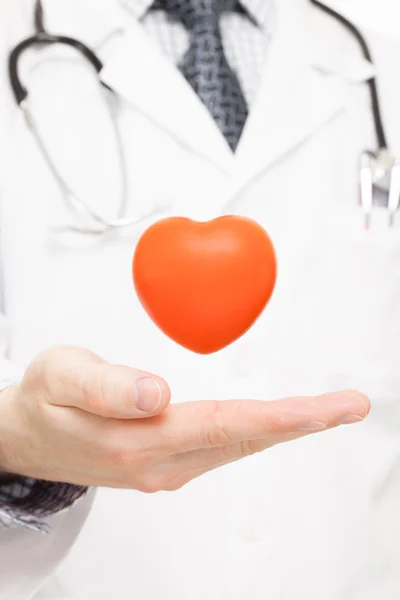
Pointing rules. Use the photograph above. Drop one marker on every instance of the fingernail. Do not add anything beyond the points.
(350, 419)
(362, 397)
(148, 395)
(313, 426)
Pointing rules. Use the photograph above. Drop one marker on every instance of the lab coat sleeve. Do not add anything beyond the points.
(30, 503)
(39, 521)
(28, 558)
(14, 26)
(25, 502)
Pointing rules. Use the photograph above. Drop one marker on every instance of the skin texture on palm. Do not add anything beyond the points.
(75, 418)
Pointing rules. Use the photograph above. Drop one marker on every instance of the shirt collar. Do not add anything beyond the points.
(259, 10)
(137, 7)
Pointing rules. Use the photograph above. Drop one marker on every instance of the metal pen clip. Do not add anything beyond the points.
(367, 186)
(394, 193)
(379, 173)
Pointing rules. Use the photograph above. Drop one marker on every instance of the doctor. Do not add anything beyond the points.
(316, 518)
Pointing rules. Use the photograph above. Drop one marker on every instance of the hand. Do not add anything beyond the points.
(75, 418)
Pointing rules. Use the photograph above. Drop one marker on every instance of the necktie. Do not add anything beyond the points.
(205, 65)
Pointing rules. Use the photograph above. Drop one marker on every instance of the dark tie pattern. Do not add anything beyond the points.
(205, 66)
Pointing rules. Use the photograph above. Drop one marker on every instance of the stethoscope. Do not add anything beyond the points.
(378, 168)
(90, 220)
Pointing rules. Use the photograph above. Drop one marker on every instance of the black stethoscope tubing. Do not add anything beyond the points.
(42, 37)
(372, 83)
(39, 17)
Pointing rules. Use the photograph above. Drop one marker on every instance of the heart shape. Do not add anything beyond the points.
(204, 284)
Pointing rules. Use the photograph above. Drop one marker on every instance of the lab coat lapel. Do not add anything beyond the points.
(142, 75)
(294, 100)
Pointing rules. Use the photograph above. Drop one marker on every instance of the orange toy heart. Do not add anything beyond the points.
(204, 284)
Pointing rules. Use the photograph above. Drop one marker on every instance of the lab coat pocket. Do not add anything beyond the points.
(362, 300)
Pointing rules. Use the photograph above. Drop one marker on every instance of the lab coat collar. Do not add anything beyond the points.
(142, 75)
(261, 11)
(303, 86)
(311, 66)
(137, 8)
(157, 88)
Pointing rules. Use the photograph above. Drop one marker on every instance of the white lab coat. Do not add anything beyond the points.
(318, 518)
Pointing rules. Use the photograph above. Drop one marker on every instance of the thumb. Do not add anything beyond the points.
(78, 378)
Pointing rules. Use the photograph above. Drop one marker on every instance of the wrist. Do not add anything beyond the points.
(7, 450)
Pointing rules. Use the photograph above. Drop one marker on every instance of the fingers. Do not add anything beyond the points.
(77, 378)
(122, 393)
(197, 462)
(183, 468)
(189, 465)
(218, 424)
